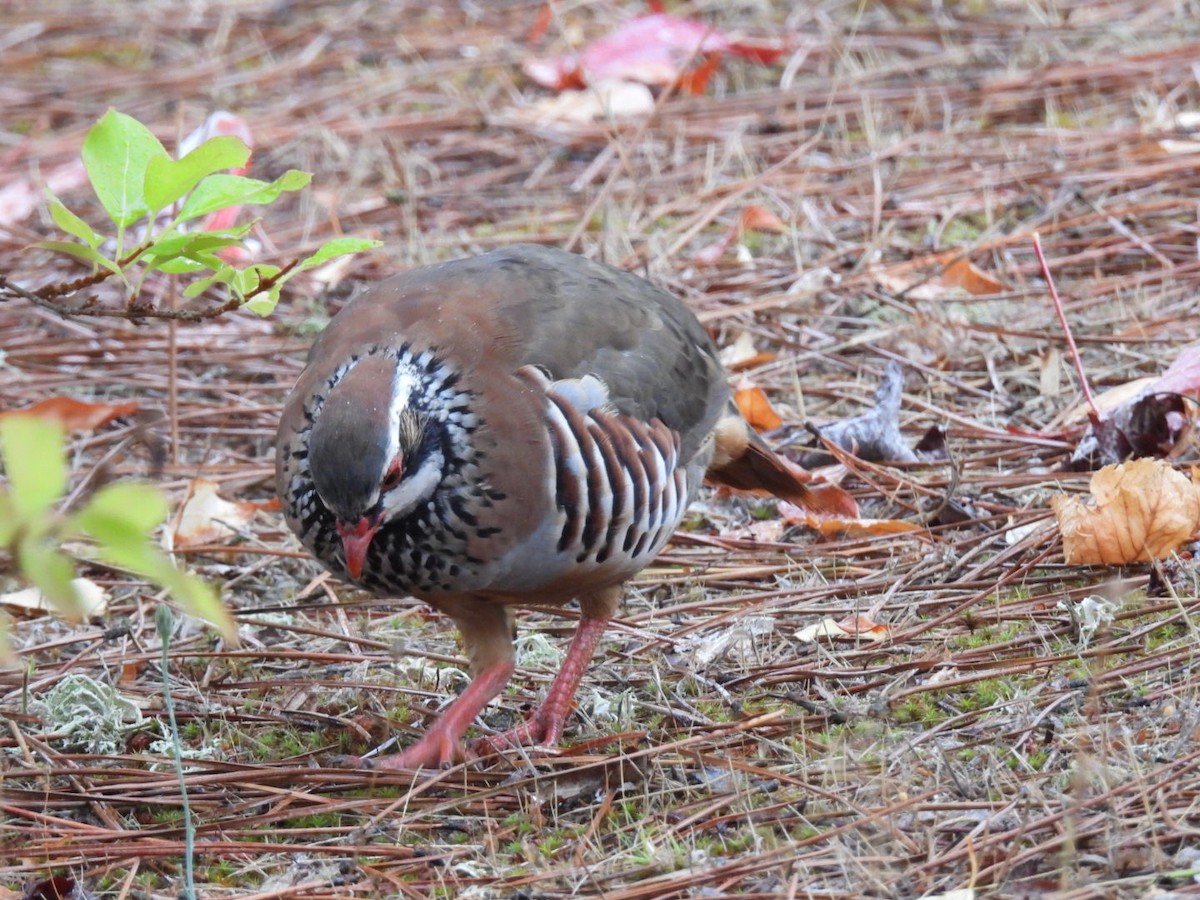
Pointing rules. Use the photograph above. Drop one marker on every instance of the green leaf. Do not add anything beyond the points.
(167, 179)
(120, 518)
(180, 266)
(82, 251)
(220, 191)
(223, 275)
(116, 152)
(72, 224)
(32, 449)
(123, 513)
(173, 243)
(194, 595)
(8, 520)
(264, 304)
(249, 278)
(335, 248)
(51, 572)
(198, 599)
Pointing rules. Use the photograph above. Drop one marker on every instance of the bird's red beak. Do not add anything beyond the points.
(356, 539)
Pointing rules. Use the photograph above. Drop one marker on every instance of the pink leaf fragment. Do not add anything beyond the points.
(1183, 375)
(222, 123)
(650, 49)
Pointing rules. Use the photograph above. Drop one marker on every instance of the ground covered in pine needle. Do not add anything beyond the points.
(996, 739)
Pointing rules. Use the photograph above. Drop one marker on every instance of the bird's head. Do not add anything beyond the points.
(372, 452)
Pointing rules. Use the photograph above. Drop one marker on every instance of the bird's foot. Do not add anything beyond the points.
(437, 749)
(441, 745)
(544, 727)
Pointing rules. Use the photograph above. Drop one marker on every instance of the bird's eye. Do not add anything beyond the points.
(393, 475)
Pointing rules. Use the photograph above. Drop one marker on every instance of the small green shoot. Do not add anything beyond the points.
(116, 522)
(147, 193)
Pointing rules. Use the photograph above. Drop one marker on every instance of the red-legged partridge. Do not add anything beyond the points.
(522, 427)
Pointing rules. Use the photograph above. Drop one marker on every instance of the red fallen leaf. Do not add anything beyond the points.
(541, 24)
(1143, 417)
(756, 408)
(76, 415)
(652, 49)
(696, 81)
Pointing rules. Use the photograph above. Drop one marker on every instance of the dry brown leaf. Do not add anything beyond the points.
(92, 599)
(795, 515)
(576, 108)
(960, 275)
(1139, 510)
(857, 627)
(759, 218)
(965, 274)
(742, 355)
(208, 518)
(769, 531)
(755, 408)
(76, 415)
(752, 218)
(1110, 400)
(1185, 123)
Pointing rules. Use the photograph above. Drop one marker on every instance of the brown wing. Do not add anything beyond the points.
(531, 305)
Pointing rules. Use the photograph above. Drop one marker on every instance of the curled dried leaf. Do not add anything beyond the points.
(857, 627)
(759, 218)
(965, 274)
(795, 515)
(755, 408)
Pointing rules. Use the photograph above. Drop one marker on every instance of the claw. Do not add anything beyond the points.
(346, 761)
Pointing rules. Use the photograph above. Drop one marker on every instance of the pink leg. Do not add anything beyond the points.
(487, 633)
(545, 724)
(441, 745)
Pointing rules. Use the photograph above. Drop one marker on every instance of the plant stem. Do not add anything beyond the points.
(162, 618)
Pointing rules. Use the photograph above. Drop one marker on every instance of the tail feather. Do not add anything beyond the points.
(744, 462)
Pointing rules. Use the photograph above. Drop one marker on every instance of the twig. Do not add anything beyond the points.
(1062, 318)
(86, 307)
